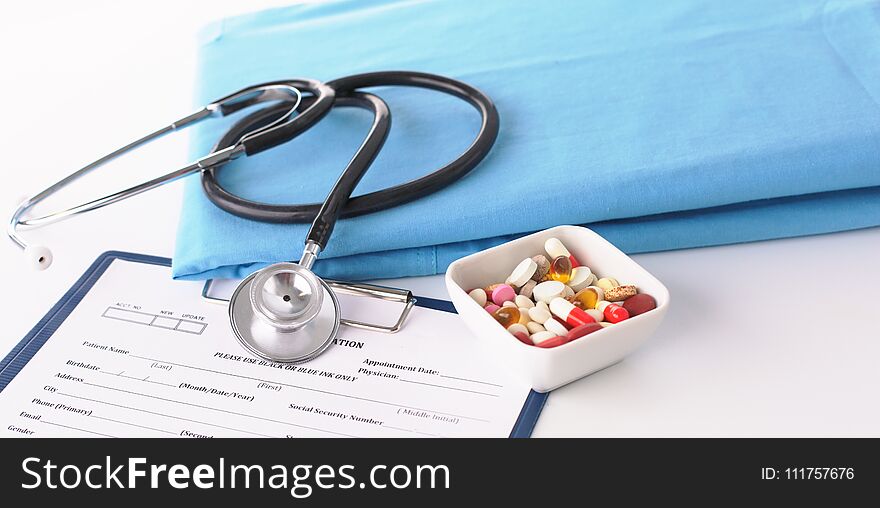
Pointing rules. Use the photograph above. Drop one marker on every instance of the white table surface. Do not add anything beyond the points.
(777, 338)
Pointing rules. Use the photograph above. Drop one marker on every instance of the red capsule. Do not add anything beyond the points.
(613, 313)
(572, 315)
(524, 338)
(582, 330)
(555, 341)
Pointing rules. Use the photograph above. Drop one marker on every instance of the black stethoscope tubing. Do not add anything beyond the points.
(343, 92)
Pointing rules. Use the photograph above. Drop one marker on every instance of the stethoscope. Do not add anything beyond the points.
(285, 312)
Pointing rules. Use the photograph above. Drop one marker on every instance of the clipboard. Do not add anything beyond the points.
(22, 353)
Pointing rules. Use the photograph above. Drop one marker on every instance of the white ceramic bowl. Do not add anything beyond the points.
(550, 368)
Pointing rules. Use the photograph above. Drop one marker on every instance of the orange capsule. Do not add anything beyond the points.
(506, 316)
(560, 269)
(588, 297)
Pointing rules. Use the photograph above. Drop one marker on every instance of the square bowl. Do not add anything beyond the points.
(549, 368)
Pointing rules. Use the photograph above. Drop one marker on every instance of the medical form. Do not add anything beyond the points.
(142, 355)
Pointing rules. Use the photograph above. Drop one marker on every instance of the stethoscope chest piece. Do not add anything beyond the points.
(284, 313)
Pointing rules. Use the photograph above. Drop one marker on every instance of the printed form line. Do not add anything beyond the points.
(310, 389)
(137, 378)
(412, 431)
(132, 424)
(76, 428)
(448, 387)
(216, 409)
(160, 414)
(472, 381)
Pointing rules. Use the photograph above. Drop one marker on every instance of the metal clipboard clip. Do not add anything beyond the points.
(402, 296)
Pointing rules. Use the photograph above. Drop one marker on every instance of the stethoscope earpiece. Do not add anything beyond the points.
(39, 257)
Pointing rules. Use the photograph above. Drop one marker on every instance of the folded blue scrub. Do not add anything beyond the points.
(661, 125)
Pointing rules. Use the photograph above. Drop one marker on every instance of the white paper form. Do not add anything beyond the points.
(142, 355)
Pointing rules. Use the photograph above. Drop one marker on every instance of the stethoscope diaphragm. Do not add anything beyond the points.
(284, 313)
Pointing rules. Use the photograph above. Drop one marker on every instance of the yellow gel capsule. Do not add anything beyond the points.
(587, 298)
(507, 316)
(560, 269)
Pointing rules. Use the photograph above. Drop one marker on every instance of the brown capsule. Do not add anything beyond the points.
(560, 269)
(588, 297)
(506, 316)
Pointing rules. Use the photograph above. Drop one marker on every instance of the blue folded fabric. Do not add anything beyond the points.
(662, 125)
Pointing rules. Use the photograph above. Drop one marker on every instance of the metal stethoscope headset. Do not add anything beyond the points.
(285, 312)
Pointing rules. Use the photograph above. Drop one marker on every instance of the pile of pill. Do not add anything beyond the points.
(550, 300)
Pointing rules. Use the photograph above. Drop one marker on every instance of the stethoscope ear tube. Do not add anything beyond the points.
(317, 107)
(378, 200)
(322, 226)
(325, 215)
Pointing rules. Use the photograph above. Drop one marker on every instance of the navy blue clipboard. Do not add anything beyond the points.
(39, 334)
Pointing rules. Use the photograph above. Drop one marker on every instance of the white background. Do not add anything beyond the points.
(771, 339)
